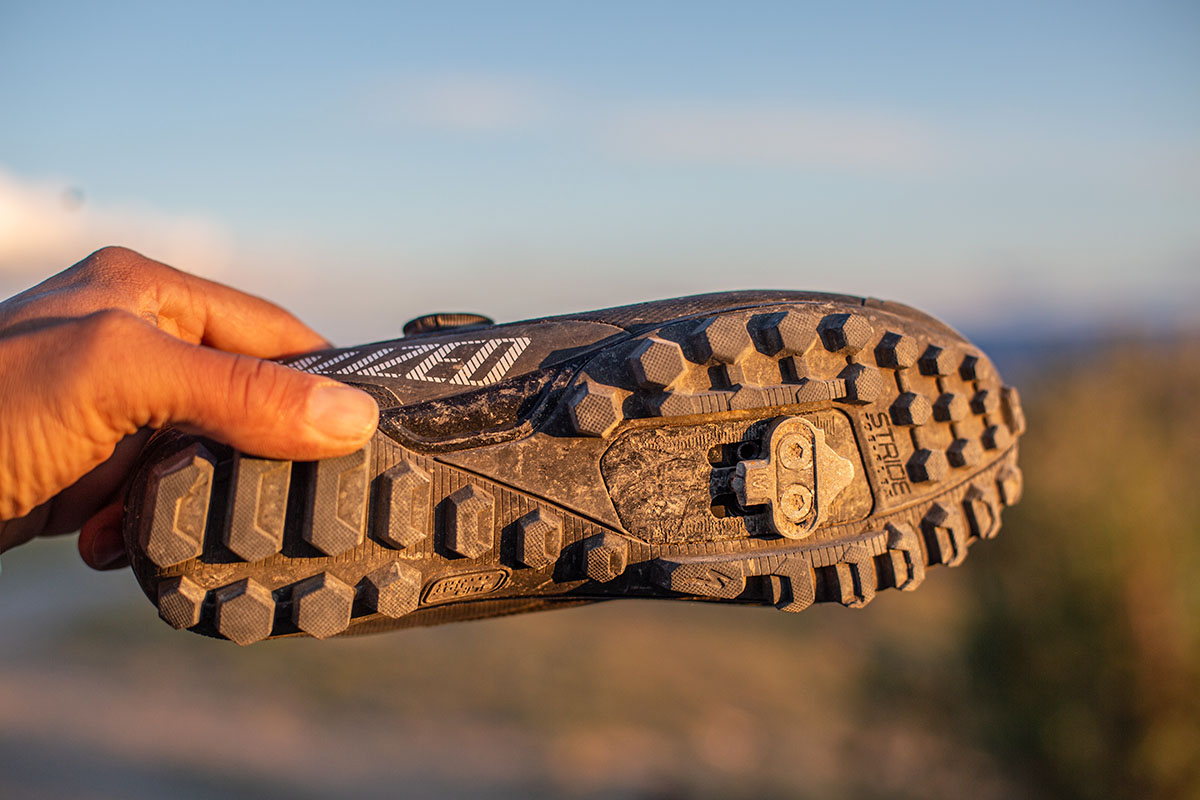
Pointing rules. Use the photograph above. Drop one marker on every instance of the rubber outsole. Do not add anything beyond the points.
(782, 454)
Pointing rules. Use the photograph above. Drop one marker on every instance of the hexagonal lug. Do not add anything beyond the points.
(245, 612)
(861, 384)
(321, 605)
(964, 453)
(996, 437)
(405, 493)
(1010, 483)
(975, 368)
(927, 465)
(656, 363)
(845, 333)
(539, 538)
(983, 515)
(594, 409)
(337, 503)
(393, 590)
(911, 409)
(254, 529)
(937, 361)
(725, 339)
(180, 601)
(985, 401)
(1013, 413)
(856, 581)
(945, 536)
(906, 557)
(786, 333)
(606, 555)
(177, 493)
(468, 521)
(950, 407)
(896, 351)
(791, 586)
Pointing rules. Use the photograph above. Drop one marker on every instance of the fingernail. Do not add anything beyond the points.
(107, 548)
(340, 412)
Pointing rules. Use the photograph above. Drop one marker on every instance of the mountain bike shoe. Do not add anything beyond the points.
(759, 447)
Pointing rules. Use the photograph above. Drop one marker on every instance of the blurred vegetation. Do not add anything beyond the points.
(1084, 646)
(1061, 660)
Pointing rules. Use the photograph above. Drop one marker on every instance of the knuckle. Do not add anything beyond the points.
(116, 265)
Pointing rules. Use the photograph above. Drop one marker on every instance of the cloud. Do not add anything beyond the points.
(47, 225)
(773, 136)
(462, 102)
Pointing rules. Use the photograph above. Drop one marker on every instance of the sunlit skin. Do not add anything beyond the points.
(95, 358)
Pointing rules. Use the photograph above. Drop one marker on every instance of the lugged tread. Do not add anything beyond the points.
(405, 500)
(336, 512)
(179, 492)
(539, 538)
(180, 602)
(321, 605)
(245, 612)
(397, 534)
(467, 525)
(258, 506)
(393, 590)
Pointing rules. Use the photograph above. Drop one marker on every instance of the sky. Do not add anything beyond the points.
(1029, 167)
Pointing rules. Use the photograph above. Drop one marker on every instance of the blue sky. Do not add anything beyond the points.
(1008, 164)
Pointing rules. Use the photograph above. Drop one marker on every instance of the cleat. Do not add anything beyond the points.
(782, 449)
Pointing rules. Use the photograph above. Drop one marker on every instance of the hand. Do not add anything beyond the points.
(95, 357)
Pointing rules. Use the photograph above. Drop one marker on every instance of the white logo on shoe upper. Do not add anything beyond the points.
(476, 362)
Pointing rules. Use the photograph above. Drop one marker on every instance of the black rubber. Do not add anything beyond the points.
(775, 448)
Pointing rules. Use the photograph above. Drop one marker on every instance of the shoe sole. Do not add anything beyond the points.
(780, 453)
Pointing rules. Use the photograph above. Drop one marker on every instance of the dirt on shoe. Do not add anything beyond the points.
(761, 447)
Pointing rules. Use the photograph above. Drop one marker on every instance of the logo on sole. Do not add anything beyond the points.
(478, 362)
(454, 587)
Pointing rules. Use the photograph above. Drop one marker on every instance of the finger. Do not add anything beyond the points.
(101, 543)
(210, 313)
(192, 308)
(218, 316)
(257, 406)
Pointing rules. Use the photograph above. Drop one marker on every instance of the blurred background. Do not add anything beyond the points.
(1029, 172)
